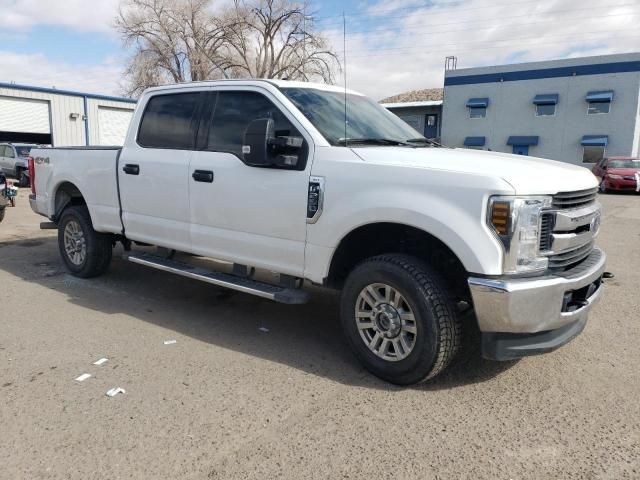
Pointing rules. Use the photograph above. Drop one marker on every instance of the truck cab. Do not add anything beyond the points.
(323, 186)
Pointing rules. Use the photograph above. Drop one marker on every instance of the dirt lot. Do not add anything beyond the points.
(229, 400)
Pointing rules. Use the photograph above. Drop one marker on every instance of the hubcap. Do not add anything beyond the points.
(75, 244)
(386, 322)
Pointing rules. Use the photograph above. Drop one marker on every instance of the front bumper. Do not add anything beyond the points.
(534, 307)
(624, 184)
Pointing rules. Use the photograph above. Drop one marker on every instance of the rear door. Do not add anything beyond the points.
(153, 170)
(250, 215)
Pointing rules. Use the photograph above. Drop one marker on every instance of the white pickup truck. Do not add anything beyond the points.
(279, 176)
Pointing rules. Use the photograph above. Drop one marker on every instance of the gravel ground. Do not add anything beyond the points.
(229, 400)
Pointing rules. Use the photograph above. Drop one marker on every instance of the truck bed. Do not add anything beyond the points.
(92, 170)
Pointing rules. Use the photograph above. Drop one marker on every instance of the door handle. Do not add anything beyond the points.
(131, 169)
(203, 176)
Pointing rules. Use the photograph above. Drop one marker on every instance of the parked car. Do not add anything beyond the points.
(280, 176)
(13, 161)
(3, 201)
(620, 174)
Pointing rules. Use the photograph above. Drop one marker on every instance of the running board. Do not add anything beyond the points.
(245, 285)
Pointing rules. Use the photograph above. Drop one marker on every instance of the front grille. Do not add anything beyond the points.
(565, 260)
(546, 227)
(581, 198)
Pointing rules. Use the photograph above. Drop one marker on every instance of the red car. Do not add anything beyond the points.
(619, 174)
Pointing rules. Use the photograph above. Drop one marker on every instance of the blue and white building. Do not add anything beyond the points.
(575, 110)
(56, 117)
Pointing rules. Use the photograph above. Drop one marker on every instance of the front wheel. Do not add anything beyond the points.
(85, 252)
(603, 187)
(398, 319)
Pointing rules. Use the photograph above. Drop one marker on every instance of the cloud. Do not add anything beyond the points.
(404, 47)
(81, 15)
(37, 70)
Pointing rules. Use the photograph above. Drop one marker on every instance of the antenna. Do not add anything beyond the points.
(344, 58)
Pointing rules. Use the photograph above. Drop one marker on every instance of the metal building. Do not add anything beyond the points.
(55, 117)
(422, 109)
(575, 110)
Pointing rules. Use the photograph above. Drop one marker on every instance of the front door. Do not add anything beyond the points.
(241, 213)
(154, 171)
(431, 125)
(521, 149)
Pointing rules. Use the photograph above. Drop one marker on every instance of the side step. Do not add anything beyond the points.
(245, 285)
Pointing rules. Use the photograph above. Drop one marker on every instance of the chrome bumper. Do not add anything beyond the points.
(530, 305)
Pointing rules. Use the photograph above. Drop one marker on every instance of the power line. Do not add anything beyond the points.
(421, 7)
(470, 49)
(414, 47)
(492, 27)
(608, 7)
(483, 21)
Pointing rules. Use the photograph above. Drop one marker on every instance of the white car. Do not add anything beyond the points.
(279, 176)
(13, 161)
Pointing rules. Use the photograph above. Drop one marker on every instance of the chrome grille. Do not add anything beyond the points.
(577, 199)
(564, 260)
(546, 227)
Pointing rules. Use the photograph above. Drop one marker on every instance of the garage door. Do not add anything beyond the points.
(24, 115)
(113, 124)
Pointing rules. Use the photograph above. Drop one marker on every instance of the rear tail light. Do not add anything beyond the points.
(32, 175)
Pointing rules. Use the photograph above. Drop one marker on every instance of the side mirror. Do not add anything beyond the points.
(261, 148)
(255, 147)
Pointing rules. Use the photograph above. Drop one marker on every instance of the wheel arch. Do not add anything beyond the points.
(66, 194)
(378, 238)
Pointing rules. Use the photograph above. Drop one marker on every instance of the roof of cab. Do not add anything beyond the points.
(253, 82)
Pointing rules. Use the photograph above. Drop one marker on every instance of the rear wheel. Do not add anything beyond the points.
(23, 179)
(399, 320)
(85, 252)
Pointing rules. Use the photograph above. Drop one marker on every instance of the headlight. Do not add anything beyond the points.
(611, 175)
(516, 222)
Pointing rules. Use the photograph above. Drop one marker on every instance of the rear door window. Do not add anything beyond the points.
(170, 121)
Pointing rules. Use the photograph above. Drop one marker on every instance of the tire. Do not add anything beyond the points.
(422, 347)
(23, 179)
(2, 213)
(603, 187)
(85, 252)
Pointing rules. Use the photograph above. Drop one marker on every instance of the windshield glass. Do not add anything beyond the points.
(366, 120)
(624, 164)
(23, 151)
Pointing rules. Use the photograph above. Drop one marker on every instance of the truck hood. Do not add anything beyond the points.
(527, 175)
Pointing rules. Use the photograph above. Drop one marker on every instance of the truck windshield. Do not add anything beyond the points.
(367, 122)
(624, 164)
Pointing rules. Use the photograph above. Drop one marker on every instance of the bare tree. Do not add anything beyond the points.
(186, 40)
(173, 40)
(277, 39)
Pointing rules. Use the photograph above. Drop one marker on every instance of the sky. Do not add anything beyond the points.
(391, 46)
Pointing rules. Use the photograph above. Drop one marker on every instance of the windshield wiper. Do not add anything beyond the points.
(372, 141)
(425, 140)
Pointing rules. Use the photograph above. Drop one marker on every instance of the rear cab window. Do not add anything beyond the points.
(169, 121)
